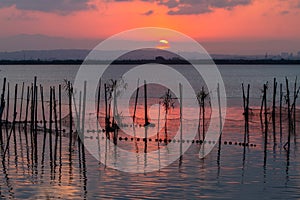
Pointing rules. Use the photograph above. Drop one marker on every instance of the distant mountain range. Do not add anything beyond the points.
(80, 54)
(46, 47)
(43, 47)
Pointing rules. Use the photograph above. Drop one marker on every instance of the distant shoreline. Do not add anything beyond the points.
(171, 62)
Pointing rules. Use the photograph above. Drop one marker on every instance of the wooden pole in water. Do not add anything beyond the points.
(220, 107)
(158, 120)
(60, 124)
(7, 106)
(83, 111)
(166, 115)
(44, 118)
(289, 114)
(244, 99)
(31, 123)
(266, 114)
(79, 117)
(262, 104)
(35, 117)
(274, 110)
(203, 114)
(2, 106)
(247, 110)
(21, 106)
(181, 125)
(50, 127)
(70, 90)
(199, 122)
(43, 108)
(14, 121)
(106, 112)
(56, 126)
(32, 115)
(26, 112)
(98, 103)
(98, 118)
(280, 112)
(220, 121)
(13, 125)
(294, 105)
(146, 109)
(136, 100)
(266, 123)
(114, 125)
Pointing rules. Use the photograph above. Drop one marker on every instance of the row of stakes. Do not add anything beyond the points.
(162, 140)
(176, 141)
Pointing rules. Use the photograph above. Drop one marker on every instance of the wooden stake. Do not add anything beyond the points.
(83, 111)
(21, 106)
(98, 102)
(35, 117)
(274, 110)
(146, 109)
(70, 90)
(294, 106)
(106, 112)
(266, 114)
(56, 126)
(289, 115)
(7, 105)
(26, 113)
(50, 128)
(136, 100)
(280, 112)
(13, 124)
(60, 124)
(2, 106)
(14, 121)
(44, 120)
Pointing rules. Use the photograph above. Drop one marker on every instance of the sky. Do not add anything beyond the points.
(221, 26)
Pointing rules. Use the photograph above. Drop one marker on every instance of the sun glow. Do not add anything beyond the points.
(163, 44)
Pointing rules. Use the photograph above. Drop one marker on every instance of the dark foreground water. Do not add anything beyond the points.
(231, 170)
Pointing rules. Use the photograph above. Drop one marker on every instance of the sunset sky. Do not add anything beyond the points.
(221, 26)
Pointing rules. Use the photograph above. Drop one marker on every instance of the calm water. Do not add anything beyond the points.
(229, 171)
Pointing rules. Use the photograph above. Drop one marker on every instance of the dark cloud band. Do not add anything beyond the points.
(175, 7)
(193, 7)
(60, 6)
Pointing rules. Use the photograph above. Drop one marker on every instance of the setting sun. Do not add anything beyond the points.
(163, 44)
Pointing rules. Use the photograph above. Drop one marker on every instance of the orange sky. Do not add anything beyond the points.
(260, 20)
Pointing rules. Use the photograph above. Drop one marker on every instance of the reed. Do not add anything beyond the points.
(168, 103)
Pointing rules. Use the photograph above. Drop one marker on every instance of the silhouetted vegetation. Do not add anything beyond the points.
(157, 61)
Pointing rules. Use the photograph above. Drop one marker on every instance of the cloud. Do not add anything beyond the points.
(285, 12)
(194, 7)
(58, 6)
(175, 7)
(149, 12)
